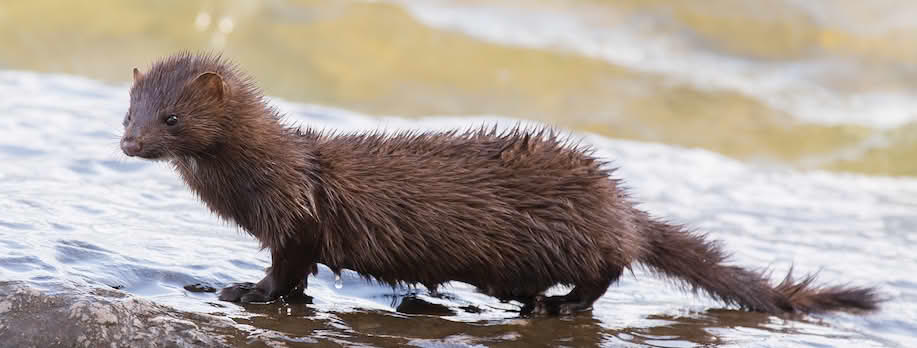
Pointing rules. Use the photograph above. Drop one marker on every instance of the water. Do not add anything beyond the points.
(89, 237)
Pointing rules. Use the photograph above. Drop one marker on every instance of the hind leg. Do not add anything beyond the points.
(579, 299)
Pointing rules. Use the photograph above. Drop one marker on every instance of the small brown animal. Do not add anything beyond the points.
(511, 213)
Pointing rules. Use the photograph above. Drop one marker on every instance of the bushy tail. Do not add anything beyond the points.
(688, 256)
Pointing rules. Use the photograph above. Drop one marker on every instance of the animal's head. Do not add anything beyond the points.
(178, 107)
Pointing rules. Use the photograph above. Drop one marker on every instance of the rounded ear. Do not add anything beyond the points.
(209, 84)
(137, 74)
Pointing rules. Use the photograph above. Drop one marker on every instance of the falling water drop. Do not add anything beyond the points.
(338, 283)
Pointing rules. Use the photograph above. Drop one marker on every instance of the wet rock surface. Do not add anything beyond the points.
(102, 318)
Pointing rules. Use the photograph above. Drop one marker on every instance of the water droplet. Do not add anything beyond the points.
(338, 283)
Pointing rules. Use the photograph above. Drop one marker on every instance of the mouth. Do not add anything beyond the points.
(154, 156)
(134, 148)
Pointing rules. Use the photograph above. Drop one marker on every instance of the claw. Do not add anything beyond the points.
(234, 292)
(558, 305)
(257, 296)
(245, 293)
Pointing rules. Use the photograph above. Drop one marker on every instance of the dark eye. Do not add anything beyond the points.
(171, 120)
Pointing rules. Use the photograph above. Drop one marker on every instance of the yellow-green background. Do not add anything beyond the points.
(375, 57)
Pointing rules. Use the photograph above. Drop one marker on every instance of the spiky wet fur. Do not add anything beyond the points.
(511, 212)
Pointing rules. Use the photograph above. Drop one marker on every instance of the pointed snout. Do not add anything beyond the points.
(131, 145)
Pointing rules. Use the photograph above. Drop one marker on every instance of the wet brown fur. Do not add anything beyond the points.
(511, 212)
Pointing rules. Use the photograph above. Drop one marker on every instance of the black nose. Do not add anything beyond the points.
(131, 146)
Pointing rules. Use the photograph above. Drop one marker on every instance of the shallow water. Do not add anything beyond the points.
(811, 84)
(80, 220)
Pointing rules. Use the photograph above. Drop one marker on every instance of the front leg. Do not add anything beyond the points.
(287, 276)
(266, 290)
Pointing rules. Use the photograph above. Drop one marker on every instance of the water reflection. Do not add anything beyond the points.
(424, 326)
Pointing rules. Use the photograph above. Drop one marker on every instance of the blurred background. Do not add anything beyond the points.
(811, 84)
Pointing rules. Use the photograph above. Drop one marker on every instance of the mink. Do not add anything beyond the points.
(511, 212)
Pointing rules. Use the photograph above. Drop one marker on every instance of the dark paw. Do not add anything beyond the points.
(573, 308)
(245, 293)
(557, 305)
(545, 305)
(257, 295)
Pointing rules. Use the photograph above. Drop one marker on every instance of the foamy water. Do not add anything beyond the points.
(80, 219)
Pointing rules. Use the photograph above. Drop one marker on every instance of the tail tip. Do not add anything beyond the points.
(805, 297)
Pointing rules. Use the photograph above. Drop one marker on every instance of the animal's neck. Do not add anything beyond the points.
(257, 177)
